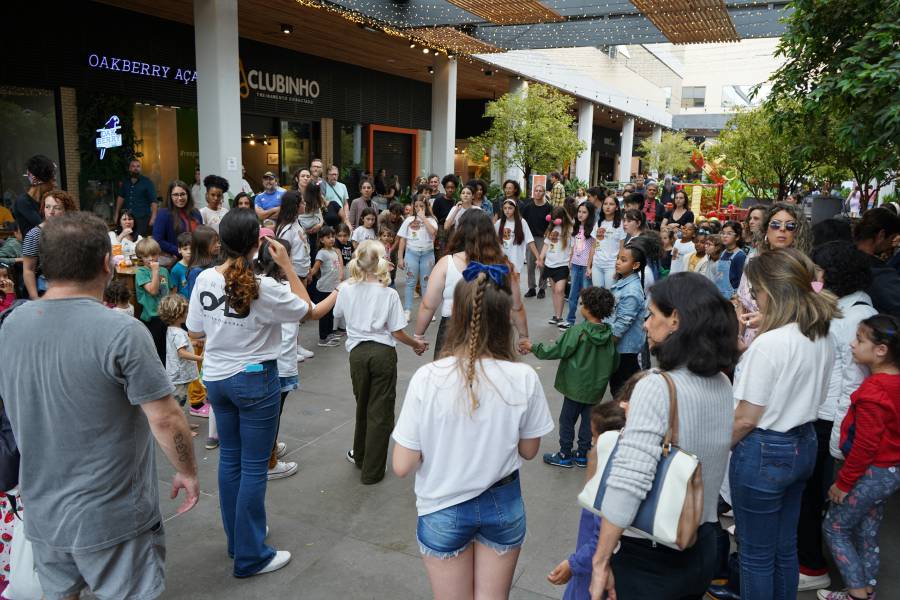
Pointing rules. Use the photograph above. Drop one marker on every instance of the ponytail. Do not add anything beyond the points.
(241, 286)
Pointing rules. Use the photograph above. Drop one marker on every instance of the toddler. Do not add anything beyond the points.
(118, 297)
(181, 362)
(387, 237)
(180, 269)
(7, 289)
(151, 283)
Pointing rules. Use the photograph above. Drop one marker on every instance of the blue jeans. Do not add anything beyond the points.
(768, 472)
(603, 277)
(418, 268)
(578, 282)
(246, 406)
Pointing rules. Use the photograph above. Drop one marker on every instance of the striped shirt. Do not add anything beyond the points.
(31, 245)
(582, 249)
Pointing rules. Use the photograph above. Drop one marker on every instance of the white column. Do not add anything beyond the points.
(656, 136)
(585, 130)
(520, 87)
(626, 147)
(357, 143)
(443, 114)
(218, 95)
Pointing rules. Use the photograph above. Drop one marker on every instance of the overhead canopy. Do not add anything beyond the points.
(534, 24)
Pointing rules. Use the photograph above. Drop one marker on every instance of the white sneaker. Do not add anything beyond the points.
(408, 314)
(813, 582)
(281, 558)
(301, 351)
(281, 470)
(280, 449)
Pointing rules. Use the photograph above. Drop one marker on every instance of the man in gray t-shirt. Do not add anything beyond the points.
(88, 397)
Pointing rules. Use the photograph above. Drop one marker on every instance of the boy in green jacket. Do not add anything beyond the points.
(587, 357)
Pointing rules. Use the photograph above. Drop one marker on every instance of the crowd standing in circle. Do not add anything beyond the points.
(781, 343)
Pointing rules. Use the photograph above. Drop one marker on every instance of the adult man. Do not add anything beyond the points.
(315, 169)
(558, 191)
(434, 182)
(197, 193)
(535, 213)
(245, 185)
(334, 190)
(88, 475)
(653, 208)
(443, 203)
(41, 174)
(137, 194)
(268, 201)
(874, 235)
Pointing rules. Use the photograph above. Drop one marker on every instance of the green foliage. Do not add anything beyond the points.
(671, 155)
(532, 131)
(572, 186)
(734, 192)
(842, 68)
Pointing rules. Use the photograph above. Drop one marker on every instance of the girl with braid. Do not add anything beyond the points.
(468, 420)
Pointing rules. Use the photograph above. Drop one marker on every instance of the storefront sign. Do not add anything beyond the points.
(108, 136)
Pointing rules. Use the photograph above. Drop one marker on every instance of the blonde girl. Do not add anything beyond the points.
(375, 321)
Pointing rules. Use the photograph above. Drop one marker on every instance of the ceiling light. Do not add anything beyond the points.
(252, 142)
(425, 50)
(431, 70)
(287, 29)
(412, 44)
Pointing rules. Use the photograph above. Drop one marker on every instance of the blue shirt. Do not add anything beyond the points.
(268, 200)
(138, 196)
(627, 319)
(179, 279)
(736, 259)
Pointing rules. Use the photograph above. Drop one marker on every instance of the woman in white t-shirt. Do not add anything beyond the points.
(515, 234)
(375, 323)
(465, 204)
(124, 234)
(467, 422)
(288, 227)
(416, 249)
(215, 208)
(238, 316)
(780, 383)
(609, 235)
(554, 259)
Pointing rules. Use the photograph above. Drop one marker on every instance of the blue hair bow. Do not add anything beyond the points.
(497, 273)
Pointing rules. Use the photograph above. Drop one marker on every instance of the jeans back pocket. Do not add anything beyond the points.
(777, 461)
(252, 388)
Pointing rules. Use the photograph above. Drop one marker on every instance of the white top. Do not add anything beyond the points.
(127, 245)
(416, 234)
(464, 452)
(787, 373)
(128, 310)
(234, 341)
(330, 270)
(371, 312)
(296, 235)
(453, 276)
(606, 248)
(557, 254)
(245, 187)
(212, 218)
(361, 234)
(179, 369)
(287, 360)
(514, 252)
(456, 213)
(198, 196)
(684, 248)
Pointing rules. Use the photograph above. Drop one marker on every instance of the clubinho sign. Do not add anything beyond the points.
(108, 136)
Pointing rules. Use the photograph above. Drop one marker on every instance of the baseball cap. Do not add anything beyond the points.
(269, 175)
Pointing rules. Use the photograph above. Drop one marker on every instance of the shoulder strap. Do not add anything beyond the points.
(671, 437)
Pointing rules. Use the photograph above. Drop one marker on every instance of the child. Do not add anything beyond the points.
(585, 348)
(578, 568)
(870, 439)
(375, 322)
(118, 297)
(627, 321)
(718, 271)
(416, 250)
(204, 253)
(330, 269)
(366, 231)
(515, 234)
(682, 247)
(151, 283)
(609, 235)
(181, 362)
(7, 289)
(554, 259)
(667, 235)
(387, 237)
(696, 260)
(343, 245)
(180, 269)
(580, 260)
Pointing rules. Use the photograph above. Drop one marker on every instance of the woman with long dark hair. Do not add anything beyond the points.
(515, 235)
(124, 233)
(177, 215)
(610, 237)
(680, 212)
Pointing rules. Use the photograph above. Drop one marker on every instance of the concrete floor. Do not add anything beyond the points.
(351, 541)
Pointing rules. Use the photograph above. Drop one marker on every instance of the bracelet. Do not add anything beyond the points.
(419, 336)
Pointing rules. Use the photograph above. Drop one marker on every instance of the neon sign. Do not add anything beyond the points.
(108, 136)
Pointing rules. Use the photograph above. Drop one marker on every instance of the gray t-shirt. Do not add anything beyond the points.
(330, 271)
(88, 471)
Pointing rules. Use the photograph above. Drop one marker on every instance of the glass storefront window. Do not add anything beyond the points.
(300, 143)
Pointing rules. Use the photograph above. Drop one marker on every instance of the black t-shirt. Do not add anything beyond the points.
(441, 208)
(687, 217)
(332, 214)
(536, 217)
(346, 250)
(26, 213)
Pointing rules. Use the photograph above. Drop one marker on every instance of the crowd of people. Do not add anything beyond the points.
(781, 340)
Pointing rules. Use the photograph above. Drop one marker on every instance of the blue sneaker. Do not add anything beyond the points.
(581, 459)
(558, 459)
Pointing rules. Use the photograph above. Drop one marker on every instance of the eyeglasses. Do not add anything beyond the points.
(775, 225)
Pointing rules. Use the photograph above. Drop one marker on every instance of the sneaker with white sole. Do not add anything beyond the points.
(329, 342)
(839, 595)
(202, 412)
(813, 582)
(350, 458)
(281, 558)
(212, 443)
(280, 449)
(281, 470)
(304, 352)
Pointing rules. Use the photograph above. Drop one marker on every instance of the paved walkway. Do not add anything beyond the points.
(351, 541)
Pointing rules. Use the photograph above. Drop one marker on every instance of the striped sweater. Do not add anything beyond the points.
(705, 416)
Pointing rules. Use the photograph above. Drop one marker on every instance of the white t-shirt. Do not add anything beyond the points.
(456, 214)
(683, 248)
(212, 218)
(128, 310)
(198, 196)
(296, 235)
(370, 311)
(788, 374)
(179, 369)
(287, 360)
(234, 341)
(330, 270)
(464, 451)
(361, 234)
(127, 244)
(416, 234)
(514, 252)
(607, 247)
(557, 254)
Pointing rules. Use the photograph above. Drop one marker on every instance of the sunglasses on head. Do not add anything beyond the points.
(775, 224)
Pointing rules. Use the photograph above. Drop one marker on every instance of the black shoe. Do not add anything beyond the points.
(541, 294)
(721, 592)
(530, 293)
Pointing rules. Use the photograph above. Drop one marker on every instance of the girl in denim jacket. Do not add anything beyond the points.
(627, 319)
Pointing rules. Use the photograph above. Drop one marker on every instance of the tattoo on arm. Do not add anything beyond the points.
(183, 449)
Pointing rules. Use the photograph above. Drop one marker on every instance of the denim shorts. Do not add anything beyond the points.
(495, 519)
(289, 384)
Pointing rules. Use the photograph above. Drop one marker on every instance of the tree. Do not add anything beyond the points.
(842, 69)
(768, 160)
(670, 155)
(532, 131)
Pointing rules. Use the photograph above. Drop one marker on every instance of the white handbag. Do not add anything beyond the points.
(23, 579)
(671, 512)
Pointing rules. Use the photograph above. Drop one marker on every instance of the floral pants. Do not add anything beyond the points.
(851, 528)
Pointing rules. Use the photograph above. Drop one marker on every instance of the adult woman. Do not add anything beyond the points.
(310, 217)
(177, 215)
(366, 189)
(416, 249)
(474, 241)
(288, 228)
(511, 191)
(242, 200)
(239, 317)
(752, 223)
(610, 236)
(215, 208)
(680, 212)
(691, 330)
(480, 198)
(124, 234)
(467, 422)
(465, 204)
(53, 204)
(780, 383)
(382, 200)
(515, 235)
(731, 237)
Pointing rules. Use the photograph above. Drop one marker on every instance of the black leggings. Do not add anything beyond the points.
(326, 323)
(158, 332)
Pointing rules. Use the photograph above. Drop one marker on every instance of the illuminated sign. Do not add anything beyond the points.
(108, 136)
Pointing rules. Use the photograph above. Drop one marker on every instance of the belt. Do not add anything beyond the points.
(508, 479)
